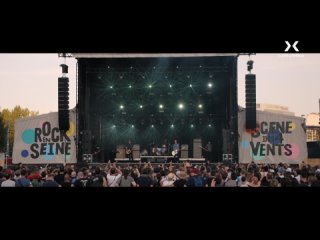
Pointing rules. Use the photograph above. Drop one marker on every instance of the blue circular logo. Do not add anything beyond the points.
(24, 153)
(28, 136)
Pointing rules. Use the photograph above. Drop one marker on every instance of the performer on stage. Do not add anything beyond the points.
(175, 151)
(153, 149)
(208, 151)
(164, 148)
(129, 150)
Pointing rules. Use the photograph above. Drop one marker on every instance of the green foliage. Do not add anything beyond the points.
(10, 116)
(2, 135)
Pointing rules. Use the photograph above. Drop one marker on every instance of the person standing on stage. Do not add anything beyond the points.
(208, 151)
(175, 150)
(164, 148)
(129, 153)
(153, 149)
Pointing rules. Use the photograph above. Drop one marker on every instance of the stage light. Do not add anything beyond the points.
(190, 85)
(121, 107)
(152, 126)
(161, 106)
(130, 86)
(172, 126)
(209, 125)
(111, 87)
(132, 126)
(150, 86)
(181, 106)
(141, 106)
(200, 106)
(209, 85)
(191, 125)
(170, 86)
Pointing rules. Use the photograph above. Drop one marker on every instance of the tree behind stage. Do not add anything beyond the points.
(9, 116)
(2, 135)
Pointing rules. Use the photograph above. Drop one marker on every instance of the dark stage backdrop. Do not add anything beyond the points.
(154, 100)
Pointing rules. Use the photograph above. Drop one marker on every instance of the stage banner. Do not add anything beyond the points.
(277, 138)
(37, 140)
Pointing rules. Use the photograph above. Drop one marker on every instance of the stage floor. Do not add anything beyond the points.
(159, 159)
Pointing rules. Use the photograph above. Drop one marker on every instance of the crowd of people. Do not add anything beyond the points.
(162, 175)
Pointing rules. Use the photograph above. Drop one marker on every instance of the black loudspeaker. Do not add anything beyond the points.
(251, 101)
(63, 103)
(226, 141)
(86, 142)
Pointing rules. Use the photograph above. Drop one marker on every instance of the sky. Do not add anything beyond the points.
(31, 81)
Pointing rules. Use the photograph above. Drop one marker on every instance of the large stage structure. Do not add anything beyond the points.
(153, 99)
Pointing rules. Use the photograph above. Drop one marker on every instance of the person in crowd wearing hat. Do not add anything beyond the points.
(35, 177)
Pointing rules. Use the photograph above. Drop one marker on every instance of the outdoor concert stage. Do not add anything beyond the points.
(153, 99)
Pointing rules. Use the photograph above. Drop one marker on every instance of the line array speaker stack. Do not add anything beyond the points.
(63, 103)
(250, 101)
